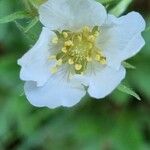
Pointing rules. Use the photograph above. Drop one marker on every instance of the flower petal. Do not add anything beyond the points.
(56, 92)
(104, 81)
(121, 38)
(72, 14)
(35, 64)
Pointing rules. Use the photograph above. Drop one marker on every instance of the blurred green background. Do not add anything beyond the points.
(119, 122)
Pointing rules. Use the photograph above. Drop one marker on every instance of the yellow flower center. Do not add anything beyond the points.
(77, 49)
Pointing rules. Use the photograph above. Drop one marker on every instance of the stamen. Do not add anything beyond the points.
(98, 57)
(91, 38)
(78, 49)
(64, 49)
(69, 43)
(103, 61)
(65, 34)
(70, 61)
(86, 29)
(78, 67)
(96, 34)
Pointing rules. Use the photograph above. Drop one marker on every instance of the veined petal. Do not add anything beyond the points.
(121, 38)
(35, 64)
(104, 81)
(56, 92)
(72, 14)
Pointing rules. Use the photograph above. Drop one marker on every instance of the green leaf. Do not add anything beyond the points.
(15, 16)
(128, 65)
(121, 7)
(30, 33)
(129, 91)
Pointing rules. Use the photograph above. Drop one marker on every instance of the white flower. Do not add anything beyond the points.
(81, 48)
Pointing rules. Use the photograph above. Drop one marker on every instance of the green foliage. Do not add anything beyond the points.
(115, 123)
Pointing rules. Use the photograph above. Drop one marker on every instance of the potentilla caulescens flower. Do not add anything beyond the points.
(80, 50)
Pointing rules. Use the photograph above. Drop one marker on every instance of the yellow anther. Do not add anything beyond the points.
(55, 40)
(64, 49)
(96, 34)
(91, 38)
(54, 70)
(78, 67)
(103, 61)
(69, 43)
(86, 29)
(52, 57)
(59, 62)
(98, 57)
(65, 34)
(70, 61)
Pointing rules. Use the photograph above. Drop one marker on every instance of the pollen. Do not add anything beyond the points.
(78, 49)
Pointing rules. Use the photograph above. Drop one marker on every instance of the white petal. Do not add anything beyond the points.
(35, 64)
(56, 92)
(104, 81)
(121, 38)
(72, 14)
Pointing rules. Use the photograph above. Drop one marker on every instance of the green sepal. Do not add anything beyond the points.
(129, 91)
(37, 3)
(15, 16)
(120, 8)
(128, 65)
